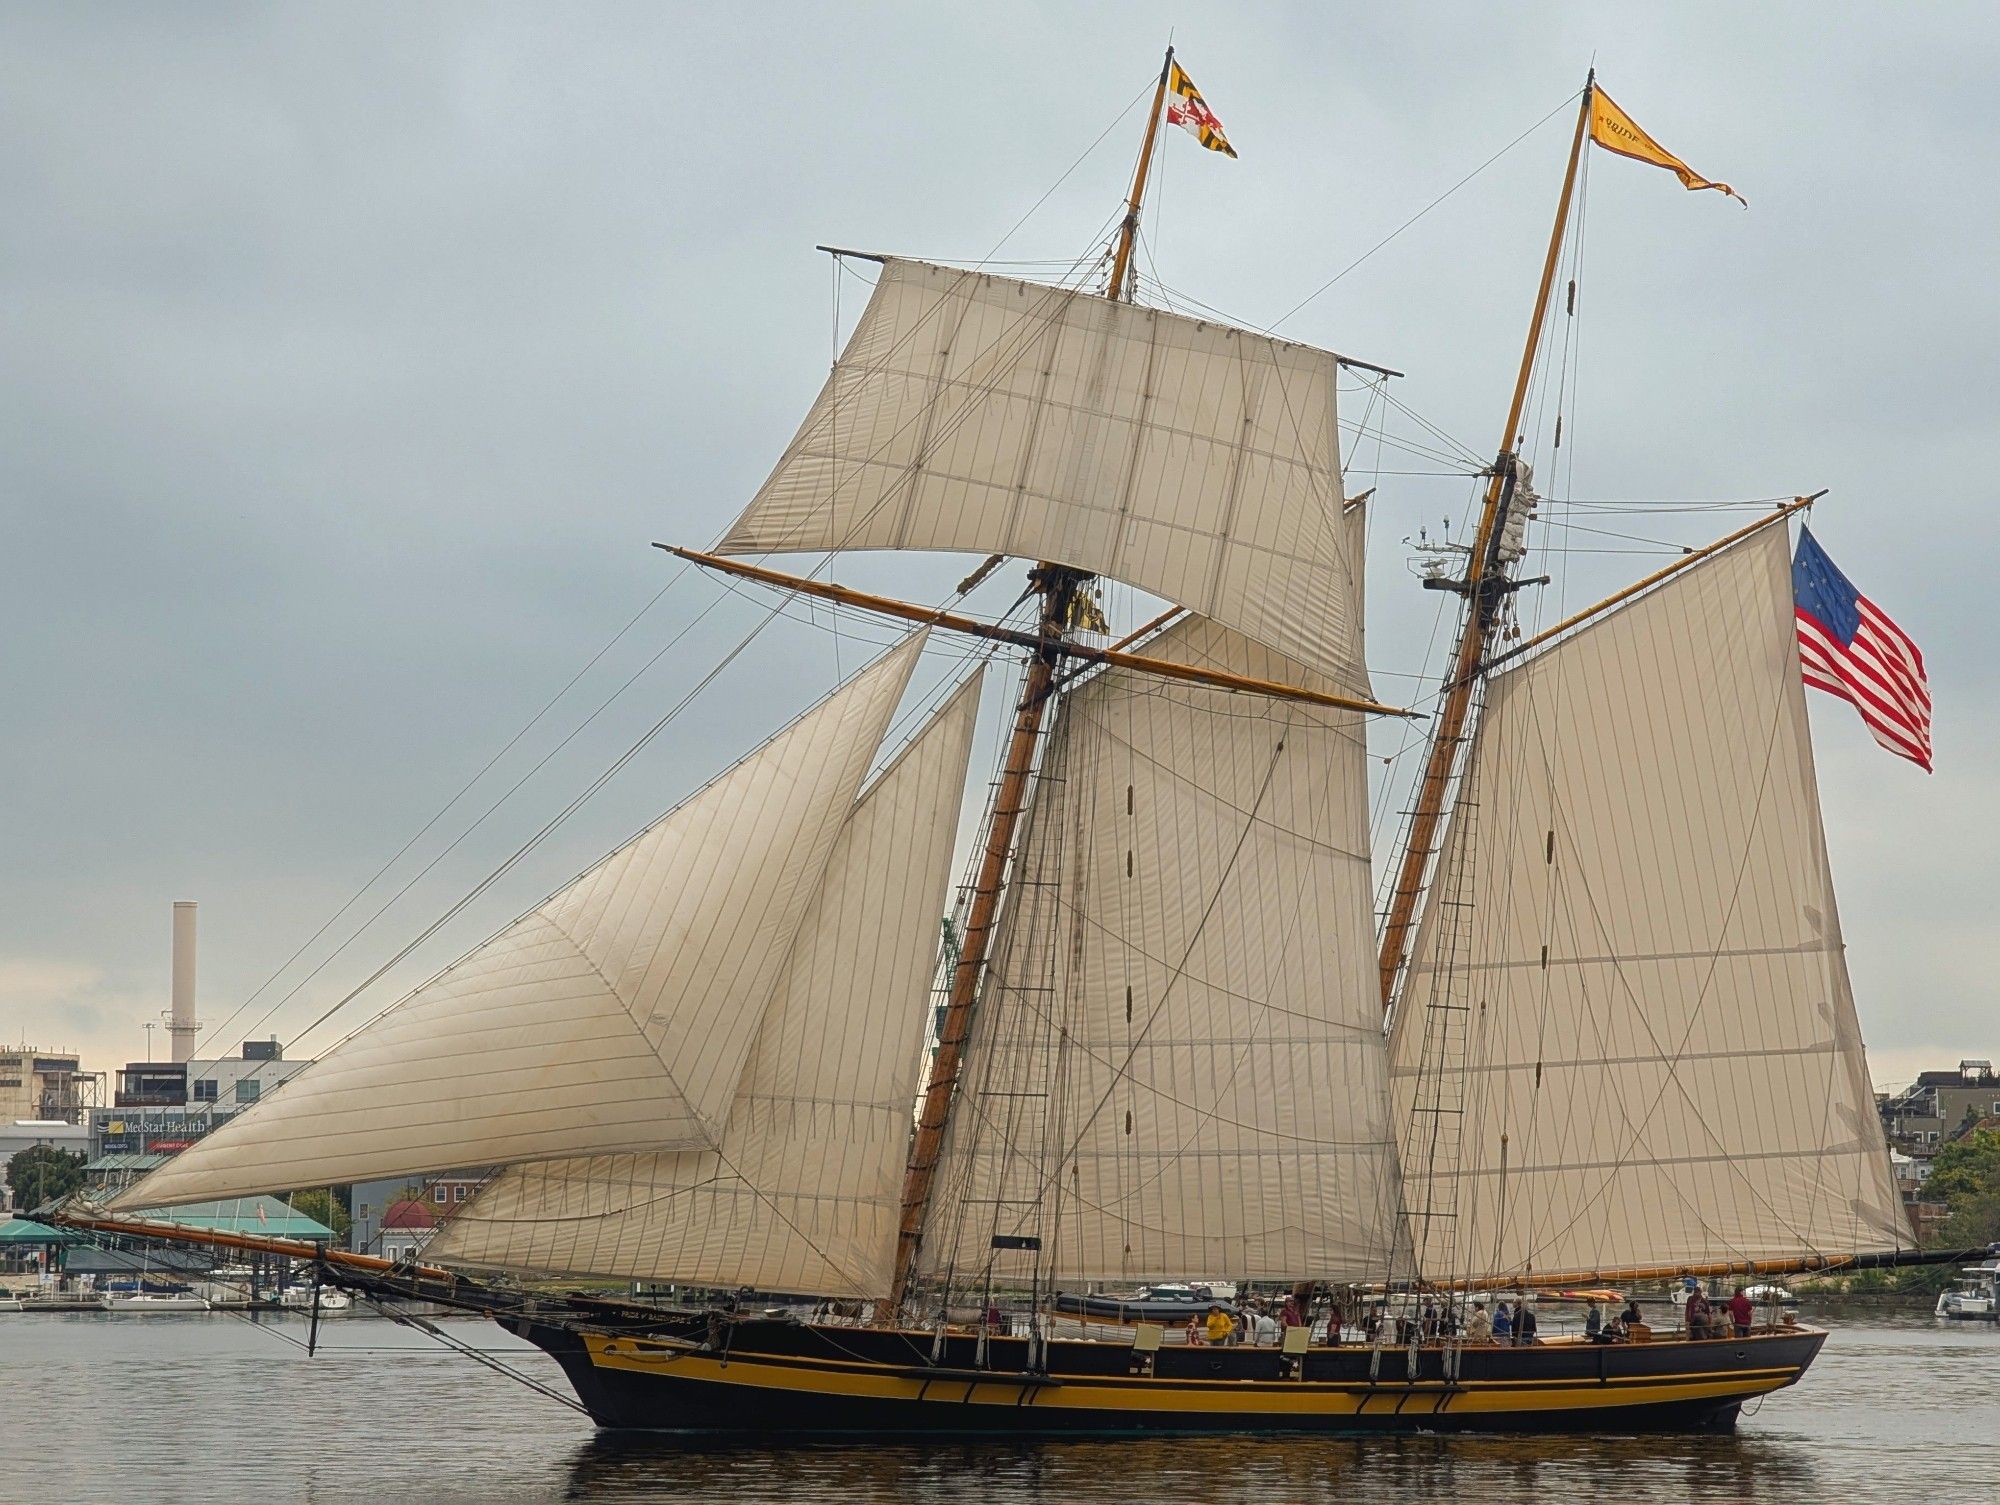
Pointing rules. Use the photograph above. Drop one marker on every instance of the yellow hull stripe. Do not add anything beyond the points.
(1180, 1397)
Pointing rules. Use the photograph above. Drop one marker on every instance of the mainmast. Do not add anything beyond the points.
(1485, 586)
(1058, 587)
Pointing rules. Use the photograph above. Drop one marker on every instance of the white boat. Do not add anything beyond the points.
(149, 1301)
(300, 1299)
(1976, 1297)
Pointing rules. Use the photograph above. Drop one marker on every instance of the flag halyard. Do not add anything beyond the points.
(1850, 647)
(1188, 110)
(1615, 131)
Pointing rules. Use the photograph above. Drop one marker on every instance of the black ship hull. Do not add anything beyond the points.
(777, 1380)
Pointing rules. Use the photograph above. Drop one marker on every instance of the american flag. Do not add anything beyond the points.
(1849, 647)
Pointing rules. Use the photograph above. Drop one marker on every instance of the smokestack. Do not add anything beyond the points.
(181, 1023)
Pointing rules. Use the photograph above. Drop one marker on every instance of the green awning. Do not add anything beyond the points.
(27, 1231)
(263, 1215)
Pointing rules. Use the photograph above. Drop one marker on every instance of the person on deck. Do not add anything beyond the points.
(1289, 1314)
(1479, 1326)
(1697, 1314)
(1632, 1314)
(1593, 1322)
(1524, 1324)
(1742, 1312)
(1194, 1332)
(1503, 1324)
(1220, 1328)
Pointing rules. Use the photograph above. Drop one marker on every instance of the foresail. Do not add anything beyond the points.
(1177, 1065)
(1626, 1037)
(977, 413)
(616, 1015)
(803, 1193)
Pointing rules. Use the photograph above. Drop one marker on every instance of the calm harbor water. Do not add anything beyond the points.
(204, 1407)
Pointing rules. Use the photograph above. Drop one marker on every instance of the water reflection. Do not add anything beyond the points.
(164, 1409)
(1210, 1471)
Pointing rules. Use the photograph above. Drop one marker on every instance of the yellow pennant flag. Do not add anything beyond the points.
(1614, 130)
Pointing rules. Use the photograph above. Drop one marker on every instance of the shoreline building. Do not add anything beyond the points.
(1931, 1110)
(48, 1086)
(162, 1107)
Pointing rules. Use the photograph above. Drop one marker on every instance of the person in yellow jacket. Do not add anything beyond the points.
(1219, 1325)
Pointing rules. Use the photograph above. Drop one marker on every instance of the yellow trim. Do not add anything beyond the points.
(1183, 1397)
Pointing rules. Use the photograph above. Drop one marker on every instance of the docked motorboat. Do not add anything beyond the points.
(154, 1301)
(300, 1299)
(1976, 1297)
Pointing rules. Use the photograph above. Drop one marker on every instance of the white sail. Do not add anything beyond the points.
(616, 1015)
(803, 1194)
(977, 413)
(1627, 1037)
(1177, 1064)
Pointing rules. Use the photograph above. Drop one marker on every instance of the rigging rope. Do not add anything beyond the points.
(1336, 277)
(218, 1031)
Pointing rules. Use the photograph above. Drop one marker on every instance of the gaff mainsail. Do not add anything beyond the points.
(1178, 1063)
(1627, 1038)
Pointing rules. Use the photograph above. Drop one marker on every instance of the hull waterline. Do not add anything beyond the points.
(778, 1379)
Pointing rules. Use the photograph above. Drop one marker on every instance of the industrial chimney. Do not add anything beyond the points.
(181, 1023)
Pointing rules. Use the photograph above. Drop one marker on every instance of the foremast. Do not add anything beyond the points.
(1058, 588)
(1485, 587)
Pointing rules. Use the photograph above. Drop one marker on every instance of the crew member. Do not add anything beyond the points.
(1479, 1326)
(1742, 1311)
(1219, 1326)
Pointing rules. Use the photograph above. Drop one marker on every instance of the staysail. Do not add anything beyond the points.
(1626, 1037)
(616, 1015)
(977, 413)
(802, 1193)
(1177, 1064)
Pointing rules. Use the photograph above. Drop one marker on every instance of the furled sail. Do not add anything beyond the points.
(615, 1015)
(1177, 1064)
(802, 1194)
(976, 413)
(1626, 1037)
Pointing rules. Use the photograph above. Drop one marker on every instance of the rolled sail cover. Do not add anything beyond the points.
(983, 414)
(1626, 1037)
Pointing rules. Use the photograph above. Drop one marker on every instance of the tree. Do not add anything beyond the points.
(42, 1173)
(322, 1206)
(1964, 1168)
(1974, 1220)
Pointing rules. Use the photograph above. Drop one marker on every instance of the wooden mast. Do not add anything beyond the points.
(1485, 586)
(1128, 233)
(1058, 587)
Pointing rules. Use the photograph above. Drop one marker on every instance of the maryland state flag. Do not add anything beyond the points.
(1615, 131)
(1187, 109)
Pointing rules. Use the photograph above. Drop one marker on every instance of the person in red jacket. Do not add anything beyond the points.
(1741, 1311)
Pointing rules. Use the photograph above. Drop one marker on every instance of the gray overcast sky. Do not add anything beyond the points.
(353, 356)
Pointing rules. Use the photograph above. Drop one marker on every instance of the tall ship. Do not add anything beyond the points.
(1600, 1032)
